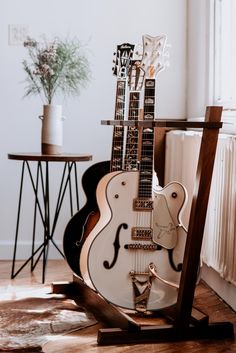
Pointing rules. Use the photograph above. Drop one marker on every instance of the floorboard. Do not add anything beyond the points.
(86, 340)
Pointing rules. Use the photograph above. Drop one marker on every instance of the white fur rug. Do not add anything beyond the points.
(27, 324)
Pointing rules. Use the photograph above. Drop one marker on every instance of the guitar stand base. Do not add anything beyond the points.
(89, 299)
(125, 330)
(164, 334)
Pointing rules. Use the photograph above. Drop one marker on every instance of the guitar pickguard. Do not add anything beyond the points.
(164, 228)
(168, 202)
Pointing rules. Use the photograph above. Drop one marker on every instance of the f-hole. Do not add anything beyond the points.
(116, 245)
(176, 268)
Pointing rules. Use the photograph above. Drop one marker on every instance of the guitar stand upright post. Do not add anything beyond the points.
(187, 323)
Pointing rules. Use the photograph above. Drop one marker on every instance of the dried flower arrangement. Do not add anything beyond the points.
(55, 66)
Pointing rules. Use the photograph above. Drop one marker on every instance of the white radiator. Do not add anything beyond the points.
(219, 243)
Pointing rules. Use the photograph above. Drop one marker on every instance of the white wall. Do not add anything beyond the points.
(102, 25)
(200, 49)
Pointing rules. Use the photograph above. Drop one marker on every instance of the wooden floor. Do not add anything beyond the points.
(86, 340)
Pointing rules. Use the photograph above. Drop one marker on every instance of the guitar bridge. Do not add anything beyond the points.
(138, 246)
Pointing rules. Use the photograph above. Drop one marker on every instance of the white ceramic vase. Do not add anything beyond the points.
(52, 129)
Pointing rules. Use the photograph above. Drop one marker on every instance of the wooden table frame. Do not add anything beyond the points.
(41, 182)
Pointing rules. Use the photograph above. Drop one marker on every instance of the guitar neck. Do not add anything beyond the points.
(131, 153)
(146, 160)
(118, 131)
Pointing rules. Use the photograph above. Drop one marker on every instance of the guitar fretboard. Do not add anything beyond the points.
(131, 153)
(146, 160)
(118, 131)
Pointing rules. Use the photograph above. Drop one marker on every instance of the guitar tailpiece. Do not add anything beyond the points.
(141, 298)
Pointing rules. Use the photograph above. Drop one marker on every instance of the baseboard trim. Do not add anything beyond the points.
(226, 290)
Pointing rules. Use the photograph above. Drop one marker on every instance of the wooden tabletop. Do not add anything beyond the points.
(165, 123)
(64, 157)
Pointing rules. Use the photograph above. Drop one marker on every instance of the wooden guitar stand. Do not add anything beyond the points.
(184, 322)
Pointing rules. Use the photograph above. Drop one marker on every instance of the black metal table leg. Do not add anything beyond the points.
(42, 208)
(17, 221)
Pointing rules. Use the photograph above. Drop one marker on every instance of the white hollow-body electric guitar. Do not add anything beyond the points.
(133, 257)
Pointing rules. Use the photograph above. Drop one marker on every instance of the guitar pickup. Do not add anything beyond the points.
(141, 233)
(143, 204)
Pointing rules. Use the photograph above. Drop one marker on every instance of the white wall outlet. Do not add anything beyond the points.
(17, 34)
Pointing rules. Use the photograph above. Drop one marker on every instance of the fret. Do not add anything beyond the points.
(119, 114)
(118, 133)
(116, 167)
(147, 142)
(149, 100)
(146, 159)
(145, 181)
(145, 172)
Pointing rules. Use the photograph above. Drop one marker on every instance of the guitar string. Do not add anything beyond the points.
(145, 189)
(132, 135)
(133, 114)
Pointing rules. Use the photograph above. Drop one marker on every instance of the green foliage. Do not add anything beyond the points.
(56, 66)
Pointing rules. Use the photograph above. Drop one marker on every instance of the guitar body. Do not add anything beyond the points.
(81, 224)
(115, 257)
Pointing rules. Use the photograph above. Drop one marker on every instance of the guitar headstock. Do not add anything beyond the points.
(153, 55)
(123, 54)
